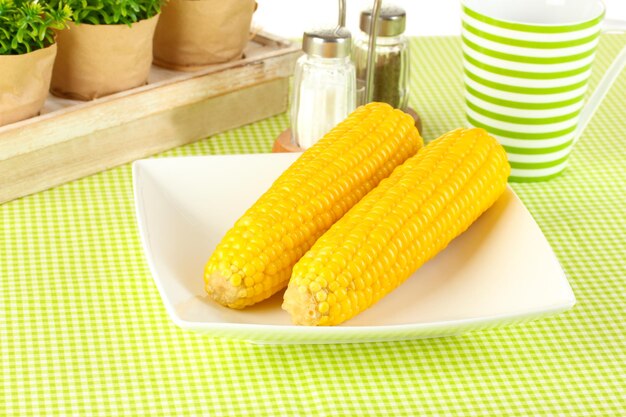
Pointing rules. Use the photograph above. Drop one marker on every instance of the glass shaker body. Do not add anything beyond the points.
(391, 69)
(324, 94)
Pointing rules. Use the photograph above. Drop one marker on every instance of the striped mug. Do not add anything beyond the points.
(526, 70)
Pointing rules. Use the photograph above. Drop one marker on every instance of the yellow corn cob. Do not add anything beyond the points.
(410, 217)
(254, 259)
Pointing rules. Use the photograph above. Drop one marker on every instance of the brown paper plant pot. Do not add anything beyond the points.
(192, 34)
(24, 83)
(98, 60)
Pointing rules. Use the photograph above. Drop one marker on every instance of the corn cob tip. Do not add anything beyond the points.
(301, 306)
(221, 290)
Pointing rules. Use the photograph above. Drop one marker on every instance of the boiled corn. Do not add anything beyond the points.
(255, 257)
(409, 218)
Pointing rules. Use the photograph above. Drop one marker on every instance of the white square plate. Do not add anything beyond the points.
(500, 271)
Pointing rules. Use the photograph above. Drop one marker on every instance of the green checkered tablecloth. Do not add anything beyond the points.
(83, 331)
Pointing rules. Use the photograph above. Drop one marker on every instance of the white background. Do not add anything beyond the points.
(289, 18)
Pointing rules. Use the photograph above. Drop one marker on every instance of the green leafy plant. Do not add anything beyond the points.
(113, 12)
(28, 25)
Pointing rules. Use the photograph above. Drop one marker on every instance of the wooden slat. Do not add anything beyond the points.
(85, 118)
(98, 149)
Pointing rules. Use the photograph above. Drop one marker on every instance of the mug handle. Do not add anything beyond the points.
(614, 70)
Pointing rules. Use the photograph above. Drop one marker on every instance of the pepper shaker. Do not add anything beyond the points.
(391, 62)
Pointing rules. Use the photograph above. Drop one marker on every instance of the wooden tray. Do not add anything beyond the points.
(72, 139)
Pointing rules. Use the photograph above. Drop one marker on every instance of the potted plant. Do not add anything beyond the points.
(107, 47)
(196, 33)
(27, 51)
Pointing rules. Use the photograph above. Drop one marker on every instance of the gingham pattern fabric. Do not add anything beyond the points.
(83, 330)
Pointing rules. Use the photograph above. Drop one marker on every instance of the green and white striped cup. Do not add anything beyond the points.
(526, 69)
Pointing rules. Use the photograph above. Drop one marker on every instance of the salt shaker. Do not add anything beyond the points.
(324, 89)
(391, 63)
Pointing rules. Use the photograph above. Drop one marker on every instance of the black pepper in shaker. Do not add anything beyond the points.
(391, 63)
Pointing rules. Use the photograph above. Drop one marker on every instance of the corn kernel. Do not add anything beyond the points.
(321, 296)
(235, 280)
(323, 307)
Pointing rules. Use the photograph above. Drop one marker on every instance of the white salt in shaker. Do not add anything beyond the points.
(324, 89)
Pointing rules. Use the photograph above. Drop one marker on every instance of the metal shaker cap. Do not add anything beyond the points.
(391, 21)
(327, 43)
